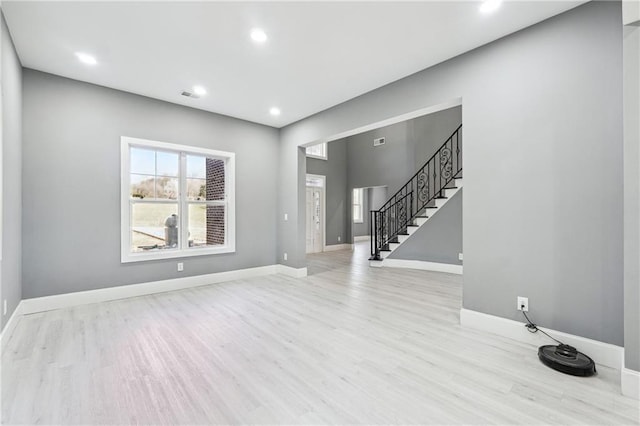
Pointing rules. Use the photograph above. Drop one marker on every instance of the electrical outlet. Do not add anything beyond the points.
(286, 217)
(180, 266)
(523, 304)
(285, 256)
(4, 307)
(459, 256)
(339, 239)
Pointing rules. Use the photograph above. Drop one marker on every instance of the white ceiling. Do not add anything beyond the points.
(318, 54)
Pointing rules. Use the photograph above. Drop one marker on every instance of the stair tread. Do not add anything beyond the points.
(424, 217)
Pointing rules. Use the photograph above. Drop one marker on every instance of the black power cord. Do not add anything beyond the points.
(532, 328)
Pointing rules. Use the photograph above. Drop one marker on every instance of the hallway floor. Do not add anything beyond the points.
(347, 344)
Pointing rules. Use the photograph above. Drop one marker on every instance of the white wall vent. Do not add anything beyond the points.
(378, 142)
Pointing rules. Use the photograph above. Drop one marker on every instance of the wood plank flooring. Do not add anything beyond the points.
(348, 344)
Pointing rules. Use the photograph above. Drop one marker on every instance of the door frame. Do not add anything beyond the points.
(324, 207)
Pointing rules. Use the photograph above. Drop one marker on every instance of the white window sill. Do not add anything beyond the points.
(317, 157)
(173, 254)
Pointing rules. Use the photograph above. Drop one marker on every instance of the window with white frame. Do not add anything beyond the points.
(317, 151)
(358, 205)
(177, 200)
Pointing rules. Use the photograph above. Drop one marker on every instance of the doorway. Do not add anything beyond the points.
(315, 213)
(365, 200)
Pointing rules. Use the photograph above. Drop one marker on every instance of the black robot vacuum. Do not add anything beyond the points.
(567, 359)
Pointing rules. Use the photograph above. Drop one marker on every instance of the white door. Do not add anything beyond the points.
(314, 220)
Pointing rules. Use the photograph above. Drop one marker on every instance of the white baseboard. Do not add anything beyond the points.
(630, 383)
(602, 353)
(362, 238)
(10, 326)
(47, 303)
(59, 301)
(419, 264)
(335, 247)
(292, 272)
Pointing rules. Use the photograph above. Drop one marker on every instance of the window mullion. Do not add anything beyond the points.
(184, 208)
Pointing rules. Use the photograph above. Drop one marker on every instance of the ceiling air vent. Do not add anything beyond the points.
(189, 94)
(378, 142)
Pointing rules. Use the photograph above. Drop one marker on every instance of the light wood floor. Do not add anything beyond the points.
(348, 344)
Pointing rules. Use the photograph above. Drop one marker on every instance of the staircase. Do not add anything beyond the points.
(418, 200)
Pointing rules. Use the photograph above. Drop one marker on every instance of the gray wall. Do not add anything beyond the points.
(337, 197)
(71, 182)
(390, 164)
(408, 145)
(11, 264)
(431, 131)
(379, 195)
(631, 45)
(542, 110)
(440, 239)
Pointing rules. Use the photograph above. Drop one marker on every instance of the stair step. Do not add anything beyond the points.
(440, 201)
(421, 220)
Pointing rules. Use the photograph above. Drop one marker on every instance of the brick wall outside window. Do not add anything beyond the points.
(215, 191)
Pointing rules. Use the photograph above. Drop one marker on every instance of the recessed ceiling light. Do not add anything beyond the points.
(199, 90)
(274, 111)
(489, 6)
(258, 35)
(86, 59)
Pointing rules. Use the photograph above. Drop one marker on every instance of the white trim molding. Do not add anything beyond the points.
(630, 383)
(336, 247)
(292, 272)
(47, 303)
(10, 326)
(604, 354)
(419, 264)
(362, 238)
(60, 301)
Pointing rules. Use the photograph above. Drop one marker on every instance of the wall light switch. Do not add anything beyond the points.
(285, 256)
(180, 266)
(338, 239)
(286, 217)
